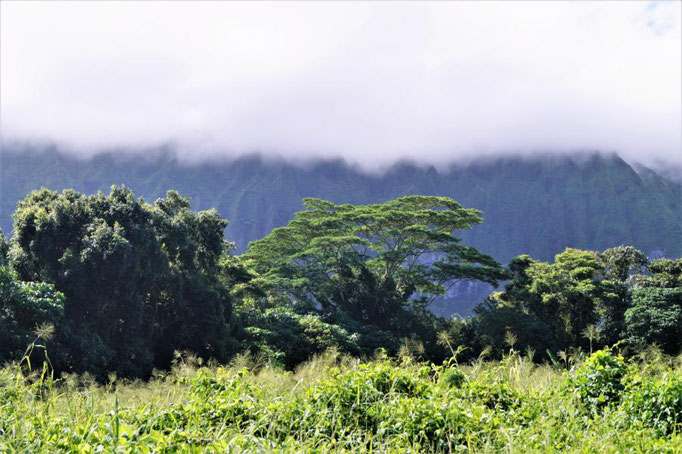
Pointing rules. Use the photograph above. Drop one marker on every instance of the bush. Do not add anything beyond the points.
(24, 306)
(453, 377)
(289, 338)
(428, 424)
(656, 404)
(356, 399)
(492, 393)
(599, 382)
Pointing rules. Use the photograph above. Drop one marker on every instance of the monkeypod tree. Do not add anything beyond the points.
(379, 264)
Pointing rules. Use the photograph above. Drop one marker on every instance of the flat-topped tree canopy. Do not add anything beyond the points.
(406, 246)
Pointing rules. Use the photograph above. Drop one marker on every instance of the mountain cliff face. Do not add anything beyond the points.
(537, 206)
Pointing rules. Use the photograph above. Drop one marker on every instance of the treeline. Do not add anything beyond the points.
(108, 283)
(583, 301)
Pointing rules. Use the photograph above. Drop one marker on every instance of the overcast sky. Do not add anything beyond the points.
(372, 82)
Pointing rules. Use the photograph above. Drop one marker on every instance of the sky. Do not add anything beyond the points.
(370, 82)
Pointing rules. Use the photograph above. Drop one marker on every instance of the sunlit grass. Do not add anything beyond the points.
(334, 403)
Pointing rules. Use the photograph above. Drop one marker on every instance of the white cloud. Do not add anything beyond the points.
(370, 81)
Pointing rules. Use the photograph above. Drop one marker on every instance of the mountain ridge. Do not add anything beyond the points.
(575, 184)
(531, 205)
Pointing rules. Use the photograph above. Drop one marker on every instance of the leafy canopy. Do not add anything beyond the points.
(405, 247)
(140, 280)
(566, 296)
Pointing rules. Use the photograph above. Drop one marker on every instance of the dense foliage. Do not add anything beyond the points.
(25, 306)
(337, 404)
(656, 318)
(375, 266)
(114, 284)
(97, 290)
(579, 302)
(140, 280)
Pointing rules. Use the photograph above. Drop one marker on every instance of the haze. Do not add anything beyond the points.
(372, 82)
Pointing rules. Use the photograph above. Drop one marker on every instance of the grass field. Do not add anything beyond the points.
(332, 404)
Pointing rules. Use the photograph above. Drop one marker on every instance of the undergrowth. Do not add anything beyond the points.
(334, 403)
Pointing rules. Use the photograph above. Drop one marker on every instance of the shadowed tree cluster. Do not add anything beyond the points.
(140, 280)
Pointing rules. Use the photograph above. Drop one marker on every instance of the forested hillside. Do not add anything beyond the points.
(536, 206)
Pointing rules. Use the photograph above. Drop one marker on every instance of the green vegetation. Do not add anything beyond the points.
(374, 267)
(24, 307)
(335, 403)
(333, 310)
(579, 302)
(140, 280)
(124, 284)
(533, 205)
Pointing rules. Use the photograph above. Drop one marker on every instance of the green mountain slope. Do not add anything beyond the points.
(536, 205)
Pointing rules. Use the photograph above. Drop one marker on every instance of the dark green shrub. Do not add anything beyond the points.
(290, 338)
(23, 307)
(494, 394)
(655, 317)
(490, 325)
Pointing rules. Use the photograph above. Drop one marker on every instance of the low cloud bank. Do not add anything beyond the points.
(370, 82)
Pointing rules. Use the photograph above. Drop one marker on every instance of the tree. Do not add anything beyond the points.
(564, 295)
(380, 264)
(195, 248)
(517, 291)
(655, 318)
(623, 261)
(622, 266)
(141, 280)
(665, 273)
(4, 248)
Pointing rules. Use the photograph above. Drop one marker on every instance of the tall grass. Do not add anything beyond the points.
(338, 404)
